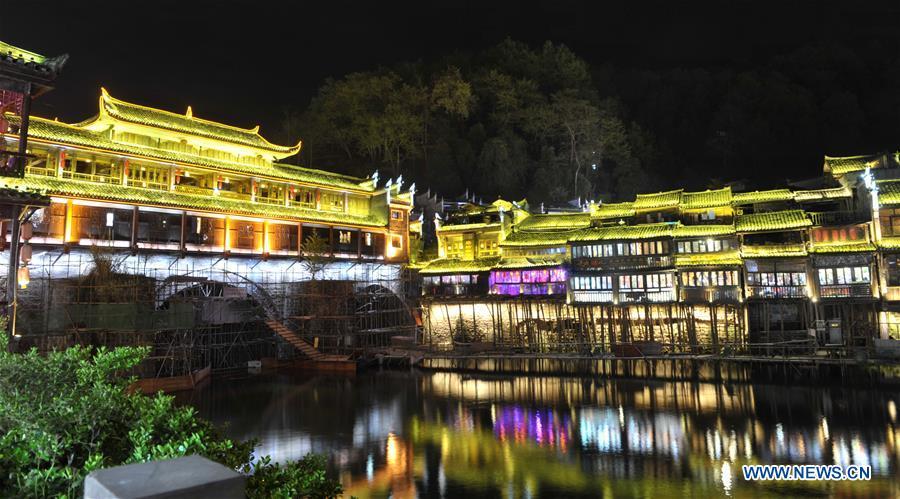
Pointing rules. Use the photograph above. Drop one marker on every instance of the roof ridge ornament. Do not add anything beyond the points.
(189, 113)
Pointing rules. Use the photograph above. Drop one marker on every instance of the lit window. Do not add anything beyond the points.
(396, 215)
(396, 242)
(368, 239)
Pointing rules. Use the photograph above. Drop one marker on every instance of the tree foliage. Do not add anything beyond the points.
(67, 413)
(499, 122)
(516, 120)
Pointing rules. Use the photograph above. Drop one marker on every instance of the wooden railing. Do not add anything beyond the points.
(776, 291)
(836, 218)
(846, 291)
(624, 262)
(662, 296)
(712, 294)
(87, 177)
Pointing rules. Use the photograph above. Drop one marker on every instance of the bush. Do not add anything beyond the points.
(67, 413)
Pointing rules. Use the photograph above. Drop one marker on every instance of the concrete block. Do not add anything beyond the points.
(184, 477)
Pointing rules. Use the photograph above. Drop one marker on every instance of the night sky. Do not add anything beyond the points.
(244, 62)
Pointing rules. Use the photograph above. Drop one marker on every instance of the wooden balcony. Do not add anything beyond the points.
(836, 218)
(87, 177)
(846, 291)
(624, 262)
(768, 292)
(710, 294)
(654, 296)
(593, 296)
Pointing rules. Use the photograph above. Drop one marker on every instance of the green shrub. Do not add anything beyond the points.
(67, 413)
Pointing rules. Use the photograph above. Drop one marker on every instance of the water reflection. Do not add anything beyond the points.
(450, 435)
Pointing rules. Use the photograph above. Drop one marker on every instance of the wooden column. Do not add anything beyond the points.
(181, 246)
(299, 238)
(134, 228)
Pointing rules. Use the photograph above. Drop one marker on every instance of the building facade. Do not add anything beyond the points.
(713, 270)
(138, 178)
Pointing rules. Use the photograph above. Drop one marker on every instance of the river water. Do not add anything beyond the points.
(444, 434)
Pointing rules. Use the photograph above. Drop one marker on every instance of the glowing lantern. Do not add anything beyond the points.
(24, 277)
(25, 253)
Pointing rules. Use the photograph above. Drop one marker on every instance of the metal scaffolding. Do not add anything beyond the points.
(202, 311)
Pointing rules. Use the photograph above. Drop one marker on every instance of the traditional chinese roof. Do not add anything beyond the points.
(530, 262)
(658, 200)
(624, 232)
(21, 195)
(773, 250)
(152, 197)
(457, 266)
(889, 243)
(555, 222)
(777, 220)
(740, 198)
(521, 239)
(823, 194)
(64, 134)
(888, 192)
(842, 165)
(720, 259)
(607, 211)
(703, 230)
(706, 199)
(188, 124)
(29, 66)
(842, 247)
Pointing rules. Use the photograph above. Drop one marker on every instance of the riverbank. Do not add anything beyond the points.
(804, 370)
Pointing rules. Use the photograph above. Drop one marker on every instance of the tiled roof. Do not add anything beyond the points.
(22, 195)
(61, 133)
(840, 166)
(703, 230)
(41, 68)
(658, 200)
(739, 198)
(778, 220)
(820, 194)
(721, 258)
(530, 262)
(555, 222)
(891, 243)
(521, 239)
(454, 265)
(612, 210)
(186, 123)
(844, 247)
(114, 192)
(773, 250)
(624, 232)
(706, 199)
(888, 192)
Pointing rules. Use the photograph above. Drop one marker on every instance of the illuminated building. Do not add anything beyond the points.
(693, 270)
(142, 178)
(195, 207)
(24, 75)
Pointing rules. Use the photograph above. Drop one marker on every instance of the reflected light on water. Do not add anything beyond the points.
(449, 435)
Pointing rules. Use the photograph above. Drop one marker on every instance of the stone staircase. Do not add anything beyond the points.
(302, 345)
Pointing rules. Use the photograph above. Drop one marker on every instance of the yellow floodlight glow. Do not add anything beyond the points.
(227, 233)
(67, 230)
